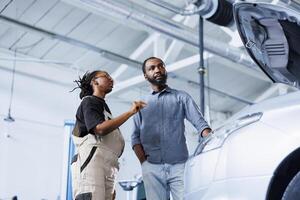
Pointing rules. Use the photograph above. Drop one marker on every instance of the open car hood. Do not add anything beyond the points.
(271, 35)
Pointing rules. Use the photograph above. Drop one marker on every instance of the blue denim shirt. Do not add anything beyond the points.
(159, 127)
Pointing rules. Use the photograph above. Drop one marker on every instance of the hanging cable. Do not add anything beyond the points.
(9, 118)
(6, 6)
(28, 46)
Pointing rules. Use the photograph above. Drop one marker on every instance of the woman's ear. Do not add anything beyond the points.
(94, 82)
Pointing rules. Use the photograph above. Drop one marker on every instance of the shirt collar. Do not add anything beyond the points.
(99, 98)
(167, 89)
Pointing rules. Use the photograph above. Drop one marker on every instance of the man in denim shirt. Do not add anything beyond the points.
(158, 137)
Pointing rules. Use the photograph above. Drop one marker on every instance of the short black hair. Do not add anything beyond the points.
(150, 58)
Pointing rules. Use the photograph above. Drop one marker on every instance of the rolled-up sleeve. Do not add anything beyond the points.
(135, 137)
(193, 114)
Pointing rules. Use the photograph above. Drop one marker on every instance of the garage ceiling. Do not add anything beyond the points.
(57, 40)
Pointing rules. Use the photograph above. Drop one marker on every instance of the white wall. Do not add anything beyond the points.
(31, 156)
(31, 161)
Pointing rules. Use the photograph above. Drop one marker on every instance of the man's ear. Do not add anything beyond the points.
(145, 76)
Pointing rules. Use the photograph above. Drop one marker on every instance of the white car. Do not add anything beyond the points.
(256, 154)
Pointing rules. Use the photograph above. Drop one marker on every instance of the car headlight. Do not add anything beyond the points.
(218, 136)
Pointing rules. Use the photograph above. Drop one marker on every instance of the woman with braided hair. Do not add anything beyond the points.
(98, 140)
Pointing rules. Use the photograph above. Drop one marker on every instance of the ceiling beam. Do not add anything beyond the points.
(35, 60)
(176, 46)
(21, 57)
(148, 42)
(125, 11)
(51, 35)
(37, 77)
(137, 52)
(220, 93)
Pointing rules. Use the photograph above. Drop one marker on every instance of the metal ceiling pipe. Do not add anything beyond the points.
(216, 11)
(206, 9)
(107, 54)
(37, 77)
(117, 9)
(201, 67)
(224, 94)
(34, 60)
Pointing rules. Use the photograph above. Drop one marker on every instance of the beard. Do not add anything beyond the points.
(108, 90)
(159, 81)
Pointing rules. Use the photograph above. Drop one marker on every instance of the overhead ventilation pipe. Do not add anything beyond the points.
(119, 10)
(216, 11)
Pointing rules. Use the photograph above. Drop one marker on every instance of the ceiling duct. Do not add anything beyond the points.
(123, 11)
(223, 12)
(55, 36)
(216, 11)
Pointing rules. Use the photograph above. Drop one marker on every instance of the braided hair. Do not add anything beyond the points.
(84, 83)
